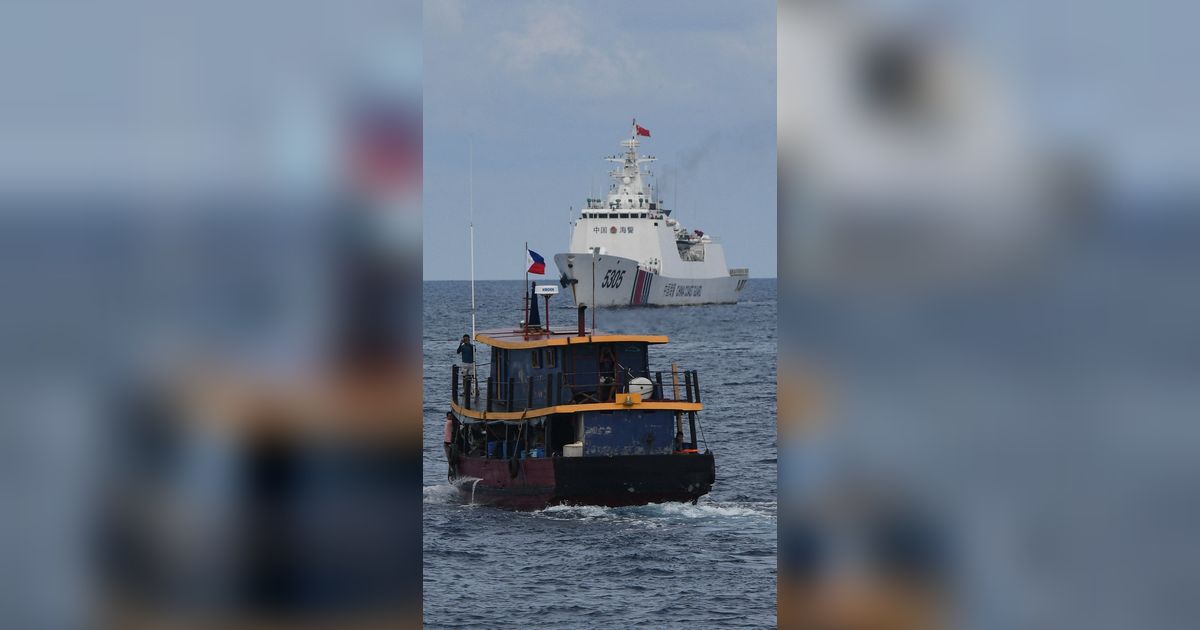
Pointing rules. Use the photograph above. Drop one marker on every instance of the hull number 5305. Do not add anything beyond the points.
(613, 278)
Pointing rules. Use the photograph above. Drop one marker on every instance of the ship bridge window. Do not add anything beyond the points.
(623, 215)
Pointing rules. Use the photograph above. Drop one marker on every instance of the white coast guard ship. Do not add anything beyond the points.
(626, 250)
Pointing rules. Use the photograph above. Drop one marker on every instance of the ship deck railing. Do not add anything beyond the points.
(559, 388)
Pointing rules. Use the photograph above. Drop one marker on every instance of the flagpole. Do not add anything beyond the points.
(471, 188)
(525, 263)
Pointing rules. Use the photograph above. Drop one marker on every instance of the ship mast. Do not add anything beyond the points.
(471, 206)
(628, 183)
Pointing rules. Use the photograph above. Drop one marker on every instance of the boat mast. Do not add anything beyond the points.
(471, 206)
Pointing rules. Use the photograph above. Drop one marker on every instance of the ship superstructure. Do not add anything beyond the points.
(626, 249)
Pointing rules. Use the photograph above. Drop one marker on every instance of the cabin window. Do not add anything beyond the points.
(624, 215)
(550, 357)
(535, 358)
(632, 357)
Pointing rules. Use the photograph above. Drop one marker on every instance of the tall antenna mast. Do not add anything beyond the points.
(471, 188)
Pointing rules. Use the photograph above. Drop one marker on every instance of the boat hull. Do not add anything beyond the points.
(611, 481)
(620, 281)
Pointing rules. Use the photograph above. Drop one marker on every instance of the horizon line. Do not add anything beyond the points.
(521, 280)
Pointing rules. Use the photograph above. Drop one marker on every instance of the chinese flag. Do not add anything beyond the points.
(642, 131)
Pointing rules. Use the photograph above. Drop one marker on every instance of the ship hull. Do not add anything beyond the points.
(606, 481)
(620, 281)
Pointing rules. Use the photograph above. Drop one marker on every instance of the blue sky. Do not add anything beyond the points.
(544, 90)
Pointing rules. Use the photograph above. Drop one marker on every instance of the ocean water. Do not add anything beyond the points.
(663, 566)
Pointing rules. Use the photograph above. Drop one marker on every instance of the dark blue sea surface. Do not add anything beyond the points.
(662, 566)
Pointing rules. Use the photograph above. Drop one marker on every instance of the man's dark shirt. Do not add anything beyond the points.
(467, 351)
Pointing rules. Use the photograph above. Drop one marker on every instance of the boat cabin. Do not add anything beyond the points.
(574, 394)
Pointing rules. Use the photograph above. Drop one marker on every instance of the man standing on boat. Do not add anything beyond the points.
(467, 350)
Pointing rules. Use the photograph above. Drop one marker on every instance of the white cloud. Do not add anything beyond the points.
(554, 49)
(547, 34)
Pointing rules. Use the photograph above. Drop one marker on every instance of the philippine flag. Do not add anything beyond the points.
(537, 264)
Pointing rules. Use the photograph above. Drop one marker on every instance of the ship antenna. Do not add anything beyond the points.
(595, 253)
(675, 184)
(471, 206)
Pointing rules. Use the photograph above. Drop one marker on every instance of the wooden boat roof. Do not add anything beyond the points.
(520, 340)
(541, 412)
